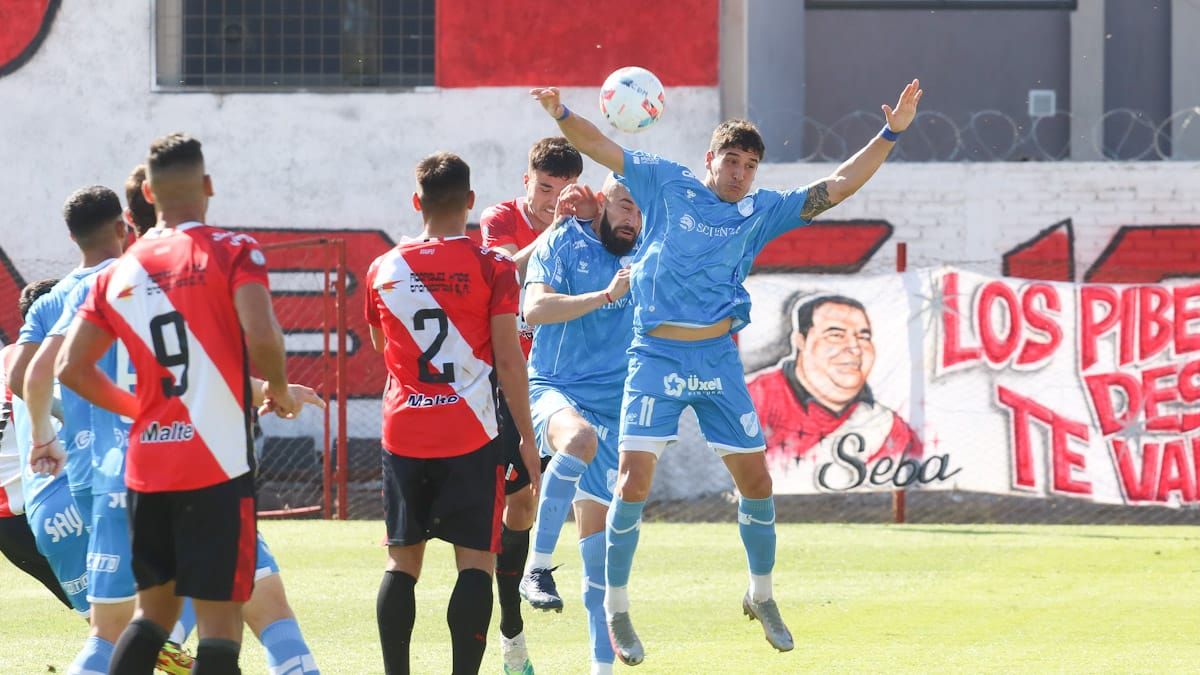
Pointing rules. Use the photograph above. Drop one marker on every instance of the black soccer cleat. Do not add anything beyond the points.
(537, 587)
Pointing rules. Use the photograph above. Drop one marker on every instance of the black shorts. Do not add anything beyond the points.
(205, 540)
(455, 499)
(516, 476)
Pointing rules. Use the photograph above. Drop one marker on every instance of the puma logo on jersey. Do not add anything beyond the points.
(126, 292)
(178, 431)
(424, 401)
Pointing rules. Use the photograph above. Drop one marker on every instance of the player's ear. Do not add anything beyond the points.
(416, 202)
(470, 200)
(798, 341)
(208, 188)
(147, 193)
(708, 158)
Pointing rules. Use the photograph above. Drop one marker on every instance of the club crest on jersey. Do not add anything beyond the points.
(424, 401)
(178, 431)
(746, 207)
(675, 385)
(750, 423)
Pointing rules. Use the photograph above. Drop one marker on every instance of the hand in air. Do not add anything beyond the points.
(619, 285)
(548, 97)
(906, 108)
(576, 200)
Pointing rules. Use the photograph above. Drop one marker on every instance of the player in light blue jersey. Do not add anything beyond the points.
(57, 525)
(699, 242)
(576, 297)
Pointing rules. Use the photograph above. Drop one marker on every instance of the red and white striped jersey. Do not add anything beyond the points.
(169, 299)
(434, 299)
(12, 502)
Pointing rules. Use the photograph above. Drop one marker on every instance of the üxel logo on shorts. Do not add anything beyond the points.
(674, 385)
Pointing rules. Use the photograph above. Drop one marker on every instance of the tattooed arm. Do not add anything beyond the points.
(856, 171)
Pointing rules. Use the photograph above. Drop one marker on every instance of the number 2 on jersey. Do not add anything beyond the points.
(424, 372)
(173, 358)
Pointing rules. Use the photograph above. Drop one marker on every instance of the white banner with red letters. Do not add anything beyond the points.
(947, 379)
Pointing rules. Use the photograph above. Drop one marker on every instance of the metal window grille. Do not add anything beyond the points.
(294, 44)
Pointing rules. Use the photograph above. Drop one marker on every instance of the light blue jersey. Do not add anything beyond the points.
(76, 433)
(696, 250)
(109, 431)
(33, 486)
(584, 357)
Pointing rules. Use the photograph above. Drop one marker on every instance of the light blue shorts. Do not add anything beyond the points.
(265, 566)
(600, 478)
(665, 376)
(110, 554)
(62, 537)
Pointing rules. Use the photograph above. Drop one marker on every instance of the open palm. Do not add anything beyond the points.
(906, 108)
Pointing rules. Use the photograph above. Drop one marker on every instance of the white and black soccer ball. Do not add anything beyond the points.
(632, 99)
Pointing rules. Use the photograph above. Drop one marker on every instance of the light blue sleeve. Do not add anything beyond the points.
(547, 263)
(71, 307)
(783, 215)
(645, 175)
(42, 315)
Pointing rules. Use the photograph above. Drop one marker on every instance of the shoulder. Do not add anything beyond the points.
(768, 379)
(499, 213)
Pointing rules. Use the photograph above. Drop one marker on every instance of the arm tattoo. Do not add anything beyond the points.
(817, 202)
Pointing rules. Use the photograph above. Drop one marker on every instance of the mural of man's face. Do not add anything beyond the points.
(836, 356)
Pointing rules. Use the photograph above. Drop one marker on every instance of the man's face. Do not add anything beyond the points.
(837, 354)
(732, 172)
(541, 194)
(620, 221)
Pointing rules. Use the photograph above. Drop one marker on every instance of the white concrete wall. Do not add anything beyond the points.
(83, 111)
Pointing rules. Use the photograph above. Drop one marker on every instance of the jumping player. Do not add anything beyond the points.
(576, 297)
(516, 227)
(444, 313)
(188, 302)
(700, 241)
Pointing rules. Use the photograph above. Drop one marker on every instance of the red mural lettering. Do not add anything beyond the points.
(996, 347)
(23, 25)
(1064, 461)
(1148, 254)
(840, 247)
(1097, 315)
(1034, 352)
(1137, 482)
(1049, 255)
(1101, 389)
(1154, 330)
(953, 353)
(1176, 474)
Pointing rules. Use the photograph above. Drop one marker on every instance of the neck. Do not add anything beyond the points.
(94, 256)
(184, 214)
(833, 406)
(443, 228)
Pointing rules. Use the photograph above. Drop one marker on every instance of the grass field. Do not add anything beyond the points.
(858, 598)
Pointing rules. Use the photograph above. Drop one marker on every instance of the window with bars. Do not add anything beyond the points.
(293, 44)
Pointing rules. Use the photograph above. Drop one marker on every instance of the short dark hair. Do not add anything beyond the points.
(556, 156)
(140, 210)
(89, 209)
(174, 150)
(32, 291)
(444, 180)
(740, 134)
(807, 307)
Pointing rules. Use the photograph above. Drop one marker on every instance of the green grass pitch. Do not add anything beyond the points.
(858, 598)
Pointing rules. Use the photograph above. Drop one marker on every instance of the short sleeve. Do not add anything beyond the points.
(95, 307)
(645, 175)
(497, 227)
(506, 291)
(71, 307)
(784, 215)
(547, 263)
(370, 302)
(249, 265)
(42, 316)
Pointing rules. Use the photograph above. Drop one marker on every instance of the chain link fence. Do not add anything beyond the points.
(994, 136)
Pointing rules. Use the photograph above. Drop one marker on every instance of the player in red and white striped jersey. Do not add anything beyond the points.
(190, 303)
(444, 313)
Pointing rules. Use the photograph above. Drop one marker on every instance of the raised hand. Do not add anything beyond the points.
(548, 97)
(906, 108)
(576, 200)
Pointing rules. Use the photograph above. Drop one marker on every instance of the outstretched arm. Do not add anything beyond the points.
(856, 171)
(581, 133)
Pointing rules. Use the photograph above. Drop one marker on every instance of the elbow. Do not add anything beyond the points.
(535, 314)
(68, 374)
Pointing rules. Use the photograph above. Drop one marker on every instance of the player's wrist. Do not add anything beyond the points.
(608, 298)
(887, 134)
(563, 113)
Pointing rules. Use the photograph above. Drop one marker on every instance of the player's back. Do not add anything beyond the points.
(170, 301)
(586, 355)
(434, 300)
(696, 249)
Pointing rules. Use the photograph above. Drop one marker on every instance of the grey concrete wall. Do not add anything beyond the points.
(1137, 74)
(968, 61)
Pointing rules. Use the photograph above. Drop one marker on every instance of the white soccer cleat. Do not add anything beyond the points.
(767, 613)
(515, 655)
(624, 640)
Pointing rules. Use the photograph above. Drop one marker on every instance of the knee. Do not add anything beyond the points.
(519, 508)
(581, 443)
(757, 486)
(633, 485)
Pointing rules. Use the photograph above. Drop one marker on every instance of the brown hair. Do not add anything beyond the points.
(141, 211)
(740, 134)
(444, 183)
(556, 156)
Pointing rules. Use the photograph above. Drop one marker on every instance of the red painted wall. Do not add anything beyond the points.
(20, 23)
(485, 43)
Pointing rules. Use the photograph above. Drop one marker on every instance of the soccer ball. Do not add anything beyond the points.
(632, 99)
